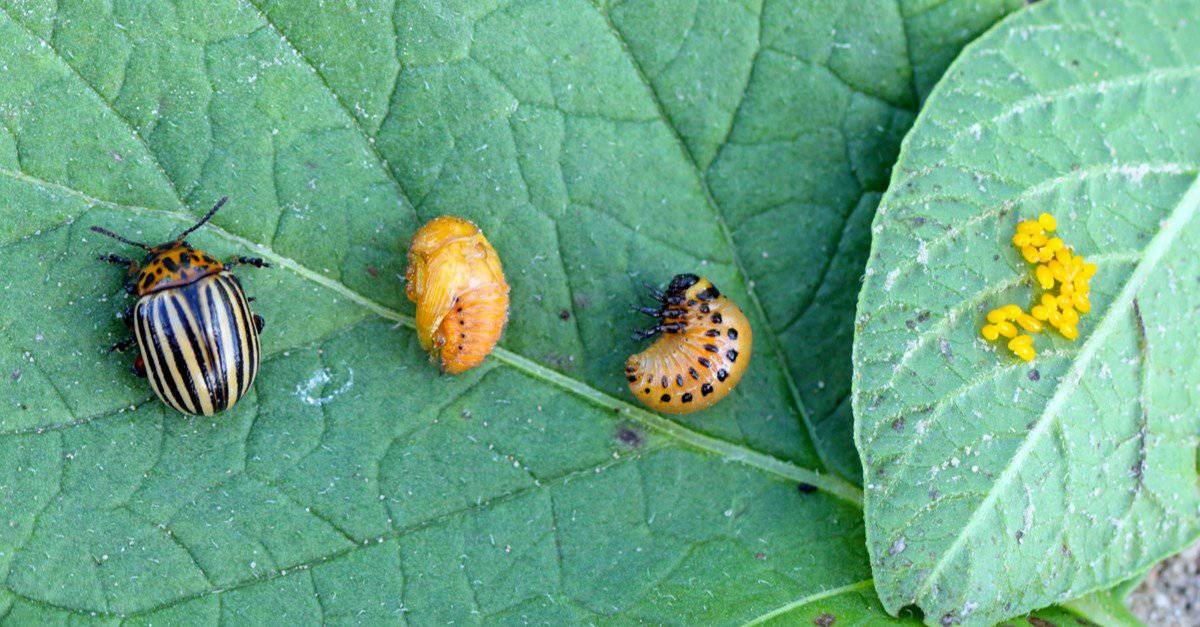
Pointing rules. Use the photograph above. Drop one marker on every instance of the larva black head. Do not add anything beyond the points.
(673, 305)
(680, 283)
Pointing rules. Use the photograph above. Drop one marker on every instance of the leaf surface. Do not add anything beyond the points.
(597, 147)
(994, 486)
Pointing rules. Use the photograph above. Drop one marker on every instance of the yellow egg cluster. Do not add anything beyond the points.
(1063, 277)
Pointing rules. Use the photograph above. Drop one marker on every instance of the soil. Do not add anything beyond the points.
(1170, 595)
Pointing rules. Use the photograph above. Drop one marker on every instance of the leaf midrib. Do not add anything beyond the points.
(1173, 224)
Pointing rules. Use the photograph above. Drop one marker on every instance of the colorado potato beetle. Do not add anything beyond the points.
(455, 278)
(197, 338)
(702, 350)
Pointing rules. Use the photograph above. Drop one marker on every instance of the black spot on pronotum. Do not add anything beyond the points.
(706, 389)
(722, 374)
(717, 319)
(806, 488)
(687, 397)
(666, 398)
(732, 354)
(733, 334)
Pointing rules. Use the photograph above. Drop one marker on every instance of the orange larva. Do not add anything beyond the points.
(455, 278)
(703, 347)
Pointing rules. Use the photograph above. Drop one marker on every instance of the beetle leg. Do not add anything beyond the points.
(139, 367)
(122, 346)
(247, 261)
(646, 333)
(259, 323)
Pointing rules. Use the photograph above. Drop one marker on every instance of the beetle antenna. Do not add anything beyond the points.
(206, 217)
(654, 291)
(119, 238)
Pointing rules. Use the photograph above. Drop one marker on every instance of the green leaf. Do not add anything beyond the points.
(597, 146)
(994, 486)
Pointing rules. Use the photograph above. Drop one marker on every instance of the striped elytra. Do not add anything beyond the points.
(196, 335)
(702, 348)
(455, 278)
(199, 343)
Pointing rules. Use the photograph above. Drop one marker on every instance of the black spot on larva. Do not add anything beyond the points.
(824, 619)
(679, 380)
(732, 354)
(564, 315)
(185, 260)
(646, 391)
(630, 368)
(170, 264)
(712, 348)
(704, 362)
(693, 373)
(461, 321)
(713, 333)
(691, 303)
(706, 389)
(460, 347)
(666, 398)
(733, 334)
(463, 335)
(629, 436)
(713, 292)
(806, 488)
(704, 309)
(631, 378)
(716, 318)
(665, 382)
(1034, 375)
(687, 397)
(722, 374)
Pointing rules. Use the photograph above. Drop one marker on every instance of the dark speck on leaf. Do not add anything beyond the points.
(919, 221)
(466, 414)
(922, 316)
(824, 619)
(373, 271)
(629, 437)
(1034, 375)
(564, 315)
(898, 424)
(806, 488)
(16, 375)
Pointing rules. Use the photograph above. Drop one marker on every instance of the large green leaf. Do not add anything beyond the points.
(995, 486)
(598, 147)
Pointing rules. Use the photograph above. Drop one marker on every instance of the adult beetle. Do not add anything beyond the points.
(197, 338)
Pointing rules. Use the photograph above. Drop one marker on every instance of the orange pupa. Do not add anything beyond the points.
(455, 278)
